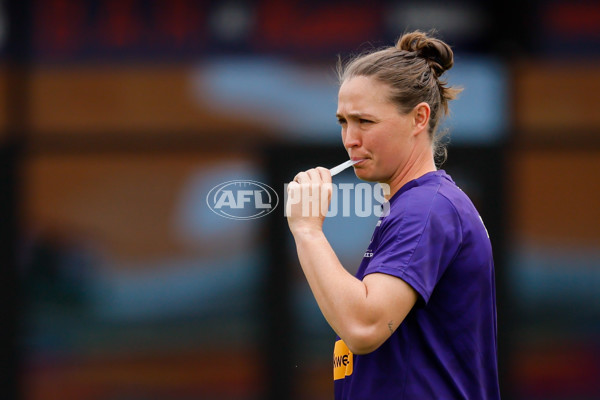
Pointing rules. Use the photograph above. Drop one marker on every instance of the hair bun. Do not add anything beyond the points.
(438, 54)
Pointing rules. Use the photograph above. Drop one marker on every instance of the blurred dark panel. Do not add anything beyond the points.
(481, 173)
(16, 50)
(4, 105)
(280, 344)
(567, 29)
(84, 31)
(9, 282)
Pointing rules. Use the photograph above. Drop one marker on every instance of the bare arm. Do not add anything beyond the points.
(363, 313)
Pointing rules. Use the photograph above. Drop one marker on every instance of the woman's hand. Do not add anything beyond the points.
(308, 198)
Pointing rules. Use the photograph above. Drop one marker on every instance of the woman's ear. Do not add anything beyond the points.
(422, 111)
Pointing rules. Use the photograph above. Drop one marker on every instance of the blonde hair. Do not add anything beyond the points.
(412, 70)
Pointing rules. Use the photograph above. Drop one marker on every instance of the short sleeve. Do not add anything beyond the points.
(418, 243)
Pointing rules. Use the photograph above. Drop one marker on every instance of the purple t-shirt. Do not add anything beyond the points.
(435, 240)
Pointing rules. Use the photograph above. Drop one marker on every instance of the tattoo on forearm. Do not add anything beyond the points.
(391, 326)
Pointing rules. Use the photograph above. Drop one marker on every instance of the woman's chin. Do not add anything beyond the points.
(364, 175)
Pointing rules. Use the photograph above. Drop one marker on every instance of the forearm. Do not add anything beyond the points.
(342, 298)
(364, 313)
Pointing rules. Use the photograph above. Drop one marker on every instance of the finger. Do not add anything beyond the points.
(325, 174)
(301, 177)
(314, 176)
(326, 186)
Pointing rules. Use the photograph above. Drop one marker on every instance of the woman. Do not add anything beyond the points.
(418, 321)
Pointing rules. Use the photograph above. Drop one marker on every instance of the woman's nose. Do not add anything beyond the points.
(351, 137)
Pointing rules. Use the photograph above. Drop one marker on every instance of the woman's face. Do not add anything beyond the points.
(374, 130)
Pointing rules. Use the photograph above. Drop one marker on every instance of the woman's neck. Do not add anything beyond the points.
(416, 167)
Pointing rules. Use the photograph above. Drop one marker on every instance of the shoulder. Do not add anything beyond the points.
(433, 193)
(431, 202)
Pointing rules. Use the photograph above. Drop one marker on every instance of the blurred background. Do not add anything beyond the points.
(117, 117)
